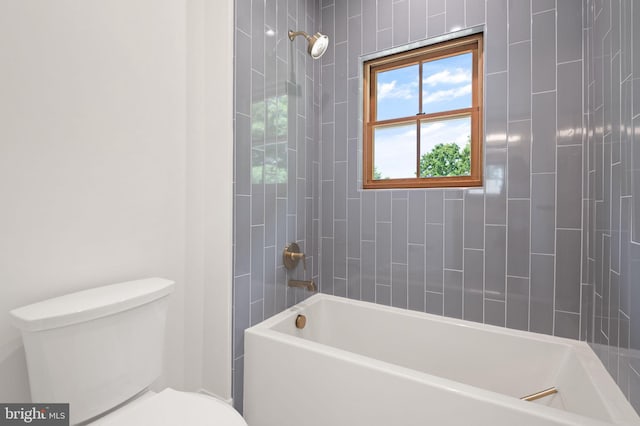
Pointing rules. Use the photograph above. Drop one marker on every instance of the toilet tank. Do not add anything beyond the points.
(96, 348)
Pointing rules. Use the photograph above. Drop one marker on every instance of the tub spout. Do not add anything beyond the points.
(310, 285)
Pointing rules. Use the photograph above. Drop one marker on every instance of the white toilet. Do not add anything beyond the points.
(100, 349)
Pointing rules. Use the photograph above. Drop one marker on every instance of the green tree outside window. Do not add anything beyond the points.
(446, 160)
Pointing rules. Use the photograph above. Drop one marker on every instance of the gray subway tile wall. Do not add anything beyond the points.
(519, 20)
(453, 234)
(542, 293)
(495, 262)
(452, 293)
(483, 249)
(434, 303)
(474, 219)
(545, 245)
(454, 16)
(418, 20)
(277, 160)
(495, 144)
(610, 291)
(543, 152)
(473, 298)
(494, 312)
(519, 72)
(519, 159)
(543, 51)
(518, 291)
(416, 279)
(543, 213)
(434, 257)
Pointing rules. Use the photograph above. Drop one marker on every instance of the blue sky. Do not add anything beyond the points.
(446, 86)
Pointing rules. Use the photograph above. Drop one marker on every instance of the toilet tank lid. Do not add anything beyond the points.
(89, 304)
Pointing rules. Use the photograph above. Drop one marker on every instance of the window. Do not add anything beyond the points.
(422, 117)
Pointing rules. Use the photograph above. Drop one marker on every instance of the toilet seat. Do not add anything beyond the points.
(172, 408)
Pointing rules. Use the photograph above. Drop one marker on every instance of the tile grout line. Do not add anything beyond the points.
(555, 179)
(530, 162)
(506, 175)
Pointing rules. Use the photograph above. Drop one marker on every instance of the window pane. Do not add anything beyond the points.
(397, 93)
(445, 147)
(446, 83)
(394, 152)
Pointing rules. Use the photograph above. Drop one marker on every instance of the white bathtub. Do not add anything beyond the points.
(357, 363)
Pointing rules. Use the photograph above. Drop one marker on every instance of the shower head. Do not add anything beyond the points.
(318, 43)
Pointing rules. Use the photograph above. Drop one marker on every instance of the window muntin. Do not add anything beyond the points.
(415, 101)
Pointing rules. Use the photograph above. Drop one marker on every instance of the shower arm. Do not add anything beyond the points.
(294, 34)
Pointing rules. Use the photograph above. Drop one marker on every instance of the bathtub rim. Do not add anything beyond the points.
(616, 404)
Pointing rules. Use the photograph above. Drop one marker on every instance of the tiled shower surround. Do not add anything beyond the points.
(521, 252)
(611, 235)
(276, 154)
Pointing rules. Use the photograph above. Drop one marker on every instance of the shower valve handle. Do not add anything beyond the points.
(292, 255)
(297, 256)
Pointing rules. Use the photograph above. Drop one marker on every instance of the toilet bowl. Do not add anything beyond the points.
(170, 408)
(100, 351)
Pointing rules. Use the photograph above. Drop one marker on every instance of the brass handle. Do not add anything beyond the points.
(297, 256)
(541, 394)
(292, 255)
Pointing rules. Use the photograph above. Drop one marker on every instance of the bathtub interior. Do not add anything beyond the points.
(511, 363)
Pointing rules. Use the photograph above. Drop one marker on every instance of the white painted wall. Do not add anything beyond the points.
(209, 196)
(96, 148)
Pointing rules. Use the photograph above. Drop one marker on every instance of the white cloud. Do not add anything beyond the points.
(441, 95)
(384, 89)
(392, 90)
(458, 76)
(395, 154)
(432, 127)
(445, 131)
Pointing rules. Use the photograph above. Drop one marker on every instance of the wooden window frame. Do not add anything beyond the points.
(469, 44)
